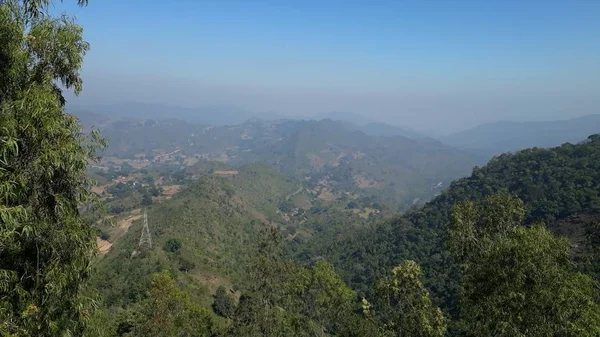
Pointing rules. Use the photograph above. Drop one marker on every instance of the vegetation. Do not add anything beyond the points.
(167, 312)
(397, 171)
(285, 286)
(518, 281)
(405, 305)
(46, 246)
(223, 304)
(275, 255)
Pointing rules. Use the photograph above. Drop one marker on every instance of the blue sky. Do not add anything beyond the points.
(441, 65)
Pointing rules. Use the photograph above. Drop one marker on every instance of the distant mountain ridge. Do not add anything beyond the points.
(509, 136)
(335, 157)
(207, 114)
(221, 115)
(370, 126)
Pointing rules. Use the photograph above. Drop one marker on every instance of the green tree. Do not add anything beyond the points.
(223, 304)
(173, 245)
(285, 299)
(327, 299)
(146, 199)
(46, 246)
(518, 281)
(261, 310)
(168, 312)
(405, 307)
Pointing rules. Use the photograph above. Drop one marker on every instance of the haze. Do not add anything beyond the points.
(438, 66)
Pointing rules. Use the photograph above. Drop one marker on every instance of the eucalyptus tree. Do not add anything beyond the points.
(45, 245)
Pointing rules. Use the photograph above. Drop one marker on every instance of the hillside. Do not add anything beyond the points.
(560, 186)
(214, 218)
(202, 236)
(205, 235)
(333, 157)
(369, 126)
(499, 137)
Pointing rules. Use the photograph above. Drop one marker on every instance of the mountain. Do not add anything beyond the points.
(387, 130)
(344, 116)
(370, 126)
(213, 219)
(499, 137)
(332, 156)
(559, 186)
(208, 115)
(205, 234)
(209, 240)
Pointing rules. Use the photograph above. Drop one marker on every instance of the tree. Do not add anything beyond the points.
(285, 299)
(261, 310)
(405, 307)
(154, 191)
(168, 312)
(327, 299)
(223, 304)
(146, 199)
(173, 245)
(518, 281)
(46, 246)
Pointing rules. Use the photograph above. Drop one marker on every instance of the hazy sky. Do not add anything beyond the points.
(437, 65)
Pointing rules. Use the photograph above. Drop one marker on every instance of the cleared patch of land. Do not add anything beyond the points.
(168, 192)
(127, 222)
(363, 181)
(326, 195)
(103, 245)
(226, 172)
(100, 189)
(364, 213)
(118, 231)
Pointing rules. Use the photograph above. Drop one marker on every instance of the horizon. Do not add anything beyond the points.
(429, 66)
(346, 116)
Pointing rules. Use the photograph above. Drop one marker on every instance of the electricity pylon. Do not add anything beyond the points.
(145, 238)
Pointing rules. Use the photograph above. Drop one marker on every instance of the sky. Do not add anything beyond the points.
(439, 66)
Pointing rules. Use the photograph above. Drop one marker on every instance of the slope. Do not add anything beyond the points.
(560, 186)
(211, 223)
(332, 156)
(396, 169)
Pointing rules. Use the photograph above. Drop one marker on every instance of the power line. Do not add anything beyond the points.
(145, 238)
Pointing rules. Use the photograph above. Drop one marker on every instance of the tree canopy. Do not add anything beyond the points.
(46, 246)
(518, 281)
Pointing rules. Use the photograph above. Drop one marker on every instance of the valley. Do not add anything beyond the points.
(360, 202)
(299, 169)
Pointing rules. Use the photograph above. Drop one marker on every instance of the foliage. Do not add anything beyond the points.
(168, 312)
(404, 304)
(130, 195)
(285, 299)
(396, 170)
(554, 184)
(223, 304)
(173, 245)
(518, 281)
(46, 246)
(146, 200)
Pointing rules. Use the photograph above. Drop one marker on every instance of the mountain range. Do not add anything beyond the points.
(505, 136)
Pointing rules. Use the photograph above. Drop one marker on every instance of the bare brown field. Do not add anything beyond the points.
(226, 173)
(103, 245)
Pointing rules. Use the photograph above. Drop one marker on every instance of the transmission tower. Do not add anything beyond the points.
(145, 238)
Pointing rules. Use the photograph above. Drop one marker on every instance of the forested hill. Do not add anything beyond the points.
(560, 186)
(397, 171)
